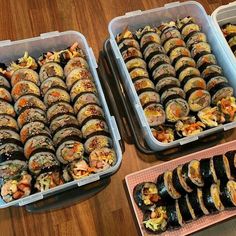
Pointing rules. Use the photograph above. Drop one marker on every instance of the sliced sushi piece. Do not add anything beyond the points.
(206, 60)
(214, 81)
(188, 30)
(166, 83)
(192, 174)
(208, 171)
(126, 34)
(55, 95)
(102, 159)
(198, 99)
(137, 73)
(211, 198)
(228, 107)
(5, 94)
(10, 151)
(33, 128)
(25, 75)
(229, 30)
(50, 69)
(129, 53)
(4, 83)
(6, 108)
(16, 188)
(192, 83)
(42, 161)
(36, 144)
(177, 53)
(7, 121)
(93, 126)
(128, 43)
(52, 82)
(171, 93)
(28, 101)
(188, 73)
(188, 126)
(232, 162)
(165, 187)
(30, 115)
(77, 74)
(157, 60)
(143, 84)
(63, 121)
(89, 111)
(186, 209)
(211, 116)
(81, 86)
(136, 62)
(179, 182)
(173, 43)
(155, 221)
(147, 97)
(171, 32)
(212, 71)
(175, 219)
(152, 49)
(200, 49)
(74, 63)
(58, 109)
(164, 70)
(195, 38)
(155, 114)
(184, 62)
(146, 195)
(222, 167)
(164, 134)
(7, 134)
(48, 180)
(228, 193)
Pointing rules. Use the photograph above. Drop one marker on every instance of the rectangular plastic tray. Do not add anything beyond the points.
(172, 11)
(56, 41)
(150, 174)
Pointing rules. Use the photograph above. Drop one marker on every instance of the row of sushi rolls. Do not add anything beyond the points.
(229, 31)
(52, 125)
(188, 192)
(182, 89)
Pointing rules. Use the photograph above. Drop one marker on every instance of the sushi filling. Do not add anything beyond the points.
(194, 173)
(190, 208)
(169, 185)
(228, 107)
(11, 168)
(182, 180)
(163, 134)
(216, 197)
(231, 187)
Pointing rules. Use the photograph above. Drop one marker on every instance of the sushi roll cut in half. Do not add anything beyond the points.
(174, 216)
(222, 167)
(208, 171)
(143, 85)
(9, 122)
(189, 126)
(228, 193)
(146, 195)
(155, 221)
(74, 63)
(25, 75)
(186, 209)
(232, 162)
(4, 83)
(50, 69)
(228, 107)
(163, 134)
(5, 95)
(6, 108)
(16, 188)
(102, 159)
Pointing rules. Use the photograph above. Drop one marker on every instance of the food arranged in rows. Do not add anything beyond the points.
(52, 125)
(229, 31)
(188, 192)
(181, 88)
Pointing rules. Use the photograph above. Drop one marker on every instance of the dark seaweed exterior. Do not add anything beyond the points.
(206, 172)
(172, 216)
(225, 196)
(194, 201)
(184, 210)
(231, 155)
(208, 200)
(176, 182)
(220, 167)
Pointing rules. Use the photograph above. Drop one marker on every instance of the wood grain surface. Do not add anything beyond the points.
(108, 213)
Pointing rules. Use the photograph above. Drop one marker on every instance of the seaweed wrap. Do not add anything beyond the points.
(147, 97)
(186, 209)
(222, 168)
(228, 193)
(175, 219)
(208, 171)
(232, 162)
(4, 82)
(7, 121)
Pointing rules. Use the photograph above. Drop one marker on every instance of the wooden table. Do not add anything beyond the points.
(108, 213)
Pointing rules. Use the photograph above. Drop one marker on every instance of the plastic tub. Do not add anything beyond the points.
(52, 41)
(171, 11)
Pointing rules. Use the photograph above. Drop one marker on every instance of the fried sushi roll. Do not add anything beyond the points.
(163, 134)
(74, 63)
(228, 193)
(7, 121)
(16, 188)
(25, 75)
(228, 107)
(147, 97)
(50, 69)
(6, 108)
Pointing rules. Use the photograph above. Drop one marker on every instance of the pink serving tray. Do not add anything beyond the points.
(150, 174)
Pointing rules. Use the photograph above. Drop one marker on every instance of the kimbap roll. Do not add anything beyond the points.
(50, 69)
(7, 134)
(130, 52)
(177, 53)
(183, 63)
(11, 152)
(137, 73)
(172, 43)
(214, 81)
(222, 167)
(211, 71)
(186, 209)
(200, 49)
(157, 60)
(165, 83)
(7, 121)
(195, 38)
(152, 49)
(143, 84)
(148, 97)
(4, 82)
(187, 73)
(194, 82)
(228, 107)
(164, 70)
(232, 162)
(5, 95)
(228, 193)
(175, 219)
(208, 171)
(73, 63)
(136, 62)
(206, 60)
(6, 108)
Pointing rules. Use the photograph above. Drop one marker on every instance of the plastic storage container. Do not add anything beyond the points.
(52, 41)
(222, 15)
(172, 11)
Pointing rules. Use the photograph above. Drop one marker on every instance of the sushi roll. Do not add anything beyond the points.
(5, 95)
(152, 49)
(164, 70)
(165, 83)
(48, 180)
(89, 111)
(211, 198)
(222, 167)
(136, 62)
(7, 121)
(66, 133)
(188, 126)
(154, 114)
(50, 69)
(77, 74)
(157, 60)
(7, 134)
(165, 187)
(11, 152)
(30, 115)
(16, 188)
(130, 52)
(228, 107)
(63, 121)
(94, 125)
(42, 161)
(198, 99)
(137, 73)
(128, 43)
(177, 53)
(211, 116)
(180, 23)
(25, 75)
(187, 73)
(172, 93)
(212, 71)
(28, 101)
(148, 97)
(84, 85)
(4, 83)
(206, 60)
(69, 151)
(155, 221)
(142, 85)
(192, 83)
(74, 63)
(232, 162)
(36, 144)
(51, 83)
(188, 30)
(195, 38)
(102, 159)
(6, 108)
(186, 209)
(173, 43)
(24, 88)
(58, 109)
(229, 30)
(192, 174)
(214, 81)
(228, 193)
(175, 219)
(54, 95)
(126, 34)
(33, 128)
(168, 33)
(163, 134)
(183, 63)
(208, 171)
(179, 182)
(200, 49)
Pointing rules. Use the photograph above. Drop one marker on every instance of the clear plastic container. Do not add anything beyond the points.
(172, 11)
(53, 41)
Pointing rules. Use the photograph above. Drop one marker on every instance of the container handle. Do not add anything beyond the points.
(49, 34)
(133, 13)
(229, 126)
(188, 140)
(91, 54)
(31, 199)
(115, 128)
(172, 4)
